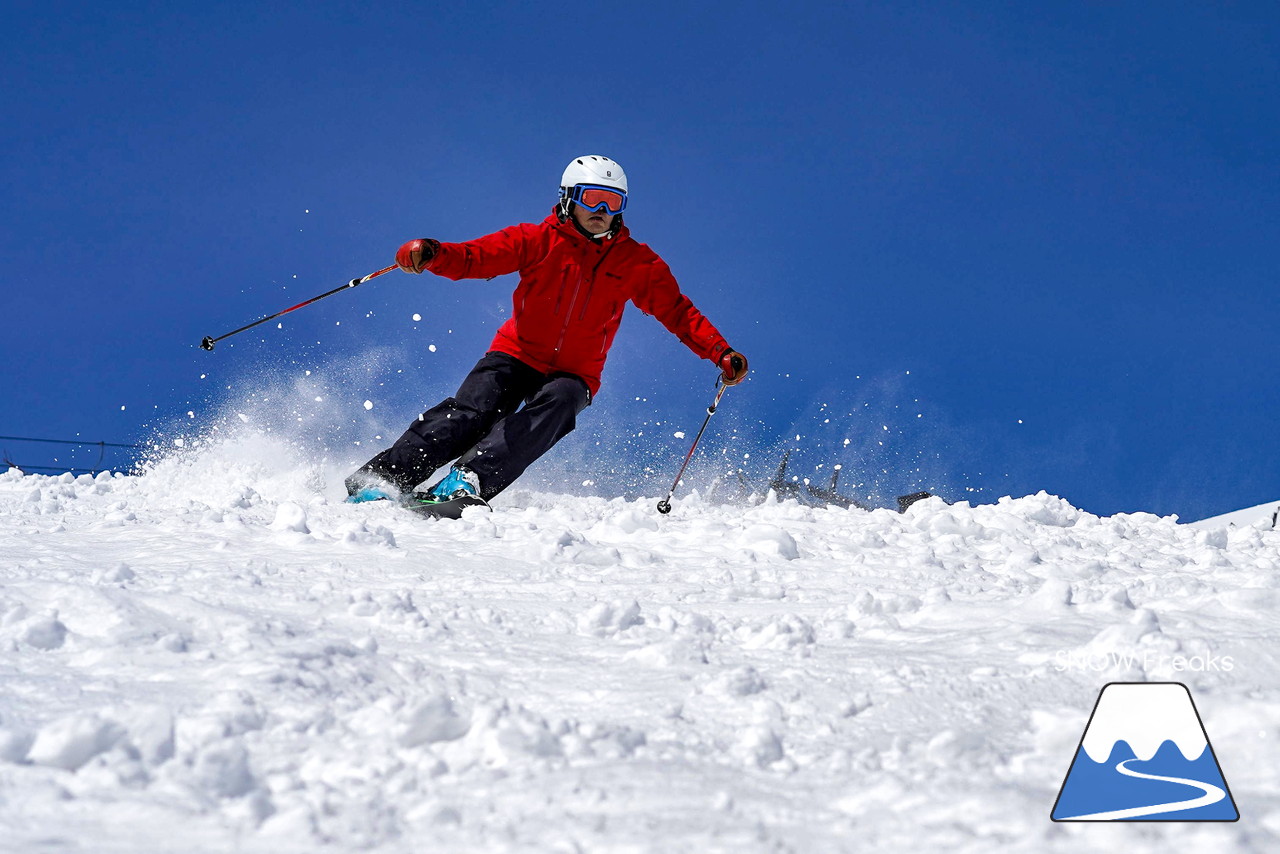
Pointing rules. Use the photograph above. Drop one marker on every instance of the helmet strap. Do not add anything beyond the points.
(601, 236)
(564, 211)
(564, 207)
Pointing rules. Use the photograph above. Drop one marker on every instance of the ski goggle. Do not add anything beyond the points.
(594, 197)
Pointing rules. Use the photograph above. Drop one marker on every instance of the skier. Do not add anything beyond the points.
(578, 268)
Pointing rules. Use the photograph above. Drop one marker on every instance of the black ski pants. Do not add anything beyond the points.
(485, 426)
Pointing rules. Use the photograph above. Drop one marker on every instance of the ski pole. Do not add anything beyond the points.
(208, 342)
(664, 506)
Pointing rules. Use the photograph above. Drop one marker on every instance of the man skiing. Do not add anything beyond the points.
(578, 268)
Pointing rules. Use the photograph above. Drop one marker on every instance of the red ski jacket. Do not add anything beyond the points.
(572, 292)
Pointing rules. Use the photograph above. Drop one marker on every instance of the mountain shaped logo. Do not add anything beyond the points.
(1145, 756)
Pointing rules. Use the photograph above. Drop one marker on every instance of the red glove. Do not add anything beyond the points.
(415, 256)
(733, 367)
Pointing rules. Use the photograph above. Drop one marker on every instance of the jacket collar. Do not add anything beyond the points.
(568, 227)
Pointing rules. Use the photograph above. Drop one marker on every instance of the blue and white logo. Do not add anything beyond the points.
(1145, 756)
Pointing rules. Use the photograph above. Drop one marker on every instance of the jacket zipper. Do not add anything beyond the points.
(595, 272)
(564, 327)
(560, 292)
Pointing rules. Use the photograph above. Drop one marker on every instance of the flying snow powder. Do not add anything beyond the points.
(368, 404)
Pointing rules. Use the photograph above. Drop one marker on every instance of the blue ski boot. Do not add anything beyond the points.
(458, 483)
(365, 487)
(459, 490)
(369, 493)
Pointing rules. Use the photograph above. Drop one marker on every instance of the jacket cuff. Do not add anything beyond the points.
(435, 252)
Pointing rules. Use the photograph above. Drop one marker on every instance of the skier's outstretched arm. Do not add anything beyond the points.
(496, 254)
(662, 298)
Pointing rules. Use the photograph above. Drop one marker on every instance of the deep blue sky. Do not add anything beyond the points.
(1034, 241)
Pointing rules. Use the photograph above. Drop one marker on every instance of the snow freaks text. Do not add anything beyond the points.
(1148, 661)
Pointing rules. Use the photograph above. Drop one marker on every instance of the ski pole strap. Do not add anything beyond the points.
(711, 410)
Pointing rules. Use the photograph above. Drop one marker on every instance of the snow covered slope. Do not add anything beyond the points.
(220, 655)
(1266, 516)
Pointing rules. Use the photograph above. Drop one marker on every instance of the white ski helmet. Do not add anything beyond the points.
(589, 169)
(594, 169)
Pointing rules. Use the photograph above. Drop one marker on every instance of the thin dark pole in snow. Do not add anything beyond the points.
(208, 342)
(67, 442)
(664, 506)
(101, 446)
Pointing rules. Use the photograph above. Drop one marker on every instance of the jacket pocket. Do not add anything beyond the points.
(606, 287)
(565, 275)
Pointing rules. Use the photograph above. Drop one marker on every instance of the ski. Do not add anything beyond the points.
(450, 508)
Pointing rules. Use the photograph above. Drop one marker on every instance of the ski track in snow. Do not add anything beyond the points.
(221, 655)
